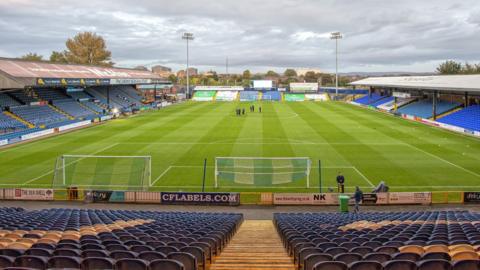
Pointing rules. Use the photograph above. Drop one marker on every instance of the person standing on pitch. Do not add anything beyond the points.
(340, 183)
(243, 111)
(358, 196)
(260, 109)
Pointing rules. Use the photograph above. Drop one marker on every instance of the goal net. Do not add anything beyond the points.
(262, 172)
(103, 172)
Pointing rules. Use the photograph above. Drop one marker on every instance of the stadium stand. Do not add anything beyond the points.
(97, 107)
(387, 240)
(48, 94)
(40, 115)
(17, 134)
(468, 118)
(131, 93)
(343, 91)
(248, 95)
(380, 239)
(271, 95)
(118, 98)
(23, 96)
(382, 101)
(74, 108)
(9, 124)
(400, 102)
(7, 101)
(79, 95)
(113, 239)
(370, 99)
(423, 108)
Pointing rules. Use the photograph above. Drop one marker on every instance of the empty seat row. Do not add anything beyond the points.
(399, 265)
(311, 238)
(73, 108)
(172, 262)
(39, 114)
(41, 237)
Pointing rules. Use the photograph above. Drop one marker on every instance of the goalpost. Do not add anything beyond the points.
(103, 172)
(262, 171)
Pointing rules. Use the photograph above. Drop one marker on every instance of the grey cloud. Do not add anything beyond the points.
(378, 34)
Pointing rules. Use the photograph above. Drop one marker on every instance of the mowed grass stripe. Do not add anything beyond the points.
(42, 161)
(362, 156)
(424, 150)
(193, 155)
(430, 171)
(372, 161)
(343, 135)
(467, 157)
(164, 155)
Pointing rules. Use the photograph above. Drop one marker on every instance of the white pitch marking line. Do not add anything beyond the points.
(199, 166)
(161, 175)
(444, 160)
(364, 177)
(262, 143)
(51, 171)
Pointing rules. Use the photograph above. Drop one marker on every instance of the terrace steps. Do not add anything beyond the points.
(86, 107)
(450, 112)
(256, 246)
(18, 118)
(61, 112)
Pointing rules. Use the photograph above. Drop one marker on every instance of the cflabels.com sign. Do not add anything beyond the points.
(198, 198)
(471, 197)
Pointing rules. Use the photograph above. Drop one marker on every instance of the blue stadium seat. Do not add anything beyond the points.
(371, 99)
(468, 118)
(423, 108)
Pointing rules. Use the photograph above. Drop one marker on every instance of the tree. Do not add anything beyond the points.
(271, 73)
(173, 78)
(247, 74)
(32, 57)
(290, 73)
(58, 57)
(449, 67)
(311, 76)
(88, 48)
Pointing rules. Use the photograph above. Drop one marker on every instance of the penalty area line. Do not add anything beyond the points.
(363, 176)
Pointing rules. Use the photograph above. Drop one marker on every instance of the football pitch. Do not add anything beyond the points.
(365, 146)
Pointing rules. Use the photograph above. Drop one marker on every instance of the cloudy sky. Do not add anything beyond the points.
(379, 35)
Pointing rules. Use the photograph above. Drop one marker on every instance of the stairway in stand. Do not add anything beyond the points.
(255, 246)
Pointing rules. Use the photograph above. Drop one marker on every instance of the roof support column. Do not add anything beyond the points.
(466, 100)
(435, 93)
(108, 97)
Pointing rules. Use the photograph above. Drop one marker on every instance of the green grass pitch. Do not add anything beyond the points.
(366, 146)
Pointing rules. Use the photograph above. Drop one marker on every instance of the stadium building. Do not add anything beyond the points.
(38, 98)
(450, 102)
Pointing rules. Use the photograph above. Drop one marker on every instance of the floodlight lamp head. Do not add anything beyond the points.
(188, 36)
(335, 35)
